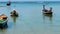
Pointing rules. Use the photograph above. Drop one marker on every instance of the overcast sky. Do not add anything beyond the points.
(30, 0)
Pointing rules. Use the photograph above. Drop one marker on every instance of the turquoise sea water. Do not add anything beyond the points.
(31, 20)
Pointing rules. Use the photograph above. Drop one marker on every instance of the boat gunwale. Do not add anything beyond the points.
(4, 21)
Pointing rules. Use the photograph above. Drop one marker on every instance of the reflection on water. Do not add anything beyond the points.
(47, 17)
(31, 20)
(2, 30)
(6, 26)
(14, 18)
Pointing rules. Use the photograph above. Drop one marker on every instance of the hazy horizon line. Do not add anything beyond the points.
(30, 1)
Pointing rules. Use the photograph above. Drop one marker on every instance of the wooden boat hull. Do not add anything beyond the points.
(47, 12)
(8, 4)
(2, 25)
(14, 15)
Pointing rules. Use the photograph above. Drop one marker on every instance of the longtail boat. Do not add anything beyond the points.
(3, 20)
